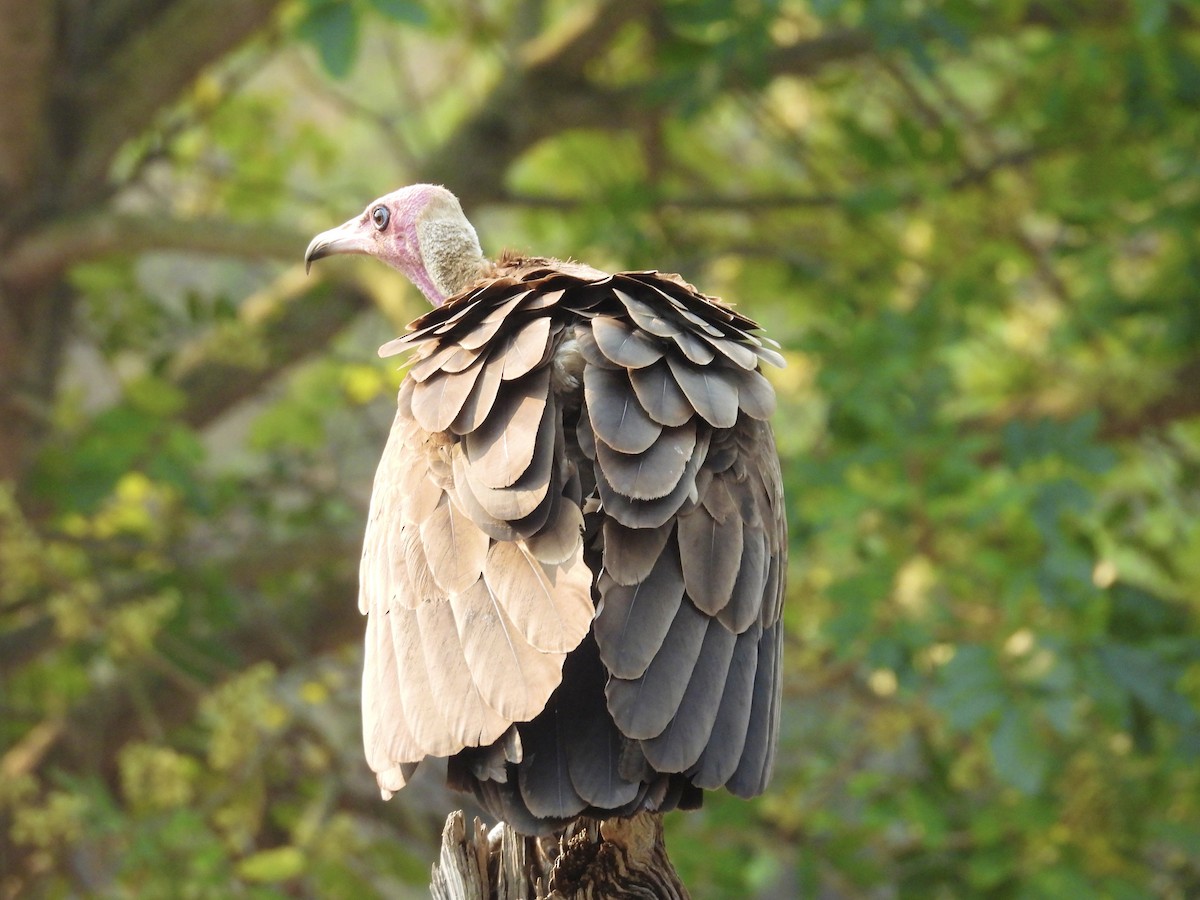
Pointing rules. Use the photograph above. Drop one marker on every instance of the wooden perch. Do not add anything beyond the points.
(594, 859)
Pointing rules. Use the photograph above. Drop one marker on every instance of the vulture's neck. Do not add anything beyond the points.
(450, 256)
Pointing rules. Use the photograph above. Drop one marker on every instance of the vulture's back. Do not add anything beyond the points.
(574, 560)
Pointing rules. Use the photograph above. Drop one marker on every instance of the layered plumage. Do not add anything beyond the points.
(575, 553)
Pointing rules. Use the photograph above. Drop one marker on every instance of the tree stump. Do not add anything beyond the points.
(593, 859)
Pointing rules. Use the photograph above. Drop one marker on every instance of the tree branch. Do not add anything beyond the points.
(692, 202)
(806, 59)
(545, 95)
(1182, 401)
(283, 325)
(150, 71)
(44, 255)
(26, 49)
(613, 858)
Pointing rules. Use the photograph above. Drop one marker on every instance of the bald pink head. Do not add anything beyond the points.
(419, 230)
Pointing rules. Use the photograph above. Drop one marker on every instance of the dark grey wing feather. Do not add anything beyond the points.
(623, 344)
(693, 551)
(543, 775)
(594, 746)
(711, 392)
(710, 546)
(632, 621)
(685, 738)
(615, 415)
(723, 752)
(635, 513)
(660, 395)
(630, 553)
(746, 598)
(758, 754)
(644, 706)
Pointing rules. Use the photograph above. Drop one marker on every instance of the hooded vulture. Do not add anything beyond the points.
(575, 553)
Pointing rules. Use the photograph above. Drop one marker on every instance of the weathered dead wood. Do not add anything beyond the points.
(594, 859)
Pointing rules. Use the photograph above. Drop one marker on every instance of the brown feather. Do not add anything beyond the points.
(653, 473)
(495, 528)
(526, 349)
(501, 450)
(590, 351)
(454, 547)
(509, 504)
(756, 397)
(479, 402)
(470, 722)
(412, 493)
(386, 737)
(422, 710)
(431, 359)
(698, 323)
(551, 607)
(412, 582)
(645, 316)
(484, 330)
(513, 678)
(559, 541)
(696, 350)
(437, 401)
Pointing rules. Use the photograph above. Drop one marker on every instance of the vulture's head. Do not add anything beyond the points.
(420, 230)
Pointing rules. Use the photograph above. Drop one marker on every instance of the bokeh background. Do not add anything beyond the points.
(973, 225)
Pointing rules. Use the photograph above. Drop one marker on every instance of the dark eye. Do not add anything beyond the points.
(380, 216)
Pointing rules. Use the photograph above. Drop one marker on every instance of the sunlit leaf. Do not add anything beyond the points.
(276, 864)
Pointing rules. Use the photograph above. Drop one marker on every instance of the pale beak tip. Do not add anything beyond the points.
(313, 252)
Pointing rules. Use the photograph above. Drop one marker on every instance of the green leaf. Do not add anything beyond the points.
(1185, 72)
(1151, 15)
(155, 396)
(332, 28)
(1073, 441)
(971, 688)
(1017, 755)
(407, 12)
(1149, 678)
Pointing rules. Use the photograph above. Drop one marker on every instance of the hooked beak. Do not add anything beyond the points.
(346, 238)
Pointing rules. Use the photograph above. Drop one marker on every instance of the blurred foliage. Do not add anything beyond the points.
(975, 228)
